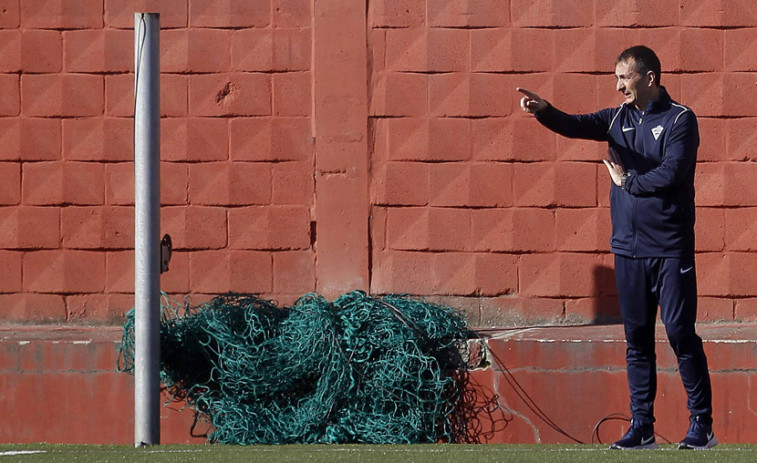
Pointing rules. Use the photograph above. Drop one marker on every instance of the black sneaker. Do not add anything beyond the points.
(699, 437)
(640, 436)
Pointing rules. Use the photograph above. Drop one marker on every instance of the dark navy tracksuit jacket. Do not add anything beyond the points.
(658, 148)
(652, 238)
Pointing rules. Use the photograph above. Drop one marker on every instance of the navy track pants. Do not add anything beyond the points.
(643, 284)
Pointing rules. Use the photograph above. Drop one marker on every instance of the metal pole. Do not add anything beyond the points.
(147, 229)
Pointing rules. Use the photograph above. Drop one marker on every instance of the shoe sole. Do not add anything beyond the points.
(712, 443)
(652, 446)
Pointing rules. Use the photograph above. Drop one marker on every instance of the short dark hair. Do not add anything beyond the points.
(646, 60)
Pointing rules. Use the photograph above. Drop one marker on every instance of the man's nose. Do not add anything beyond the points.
(619, 86)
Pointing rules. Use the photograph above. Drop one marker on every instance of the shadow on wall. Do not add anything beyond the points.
(605, 309)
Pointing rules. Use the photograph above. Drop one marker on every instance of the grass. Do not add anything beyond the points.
(369, 454)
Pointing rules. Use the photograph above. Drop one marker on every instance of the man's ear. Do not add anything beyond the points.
(652, 78)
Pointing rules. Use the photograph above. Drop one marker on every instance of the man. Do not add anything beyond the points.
(653, 145)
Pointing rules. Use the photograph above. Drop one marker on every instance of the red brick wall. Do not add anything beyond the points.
(335, 145)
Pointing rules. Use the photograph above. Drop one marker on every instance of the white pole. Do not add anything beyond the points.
(147, 230)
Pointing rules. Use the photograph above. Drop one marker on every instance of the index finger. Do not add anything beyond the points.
(528, 93)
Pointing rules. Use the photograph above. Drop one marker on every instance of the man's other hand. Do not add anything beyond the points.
(531, 103)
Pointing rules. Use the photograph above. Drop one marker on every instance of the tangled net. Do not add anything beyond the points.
(358, 370)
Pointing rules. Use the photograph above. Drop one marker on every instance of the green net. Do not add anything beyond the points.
(357, 370)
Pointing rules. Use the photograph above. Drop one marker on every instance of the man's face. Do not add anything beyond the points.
(634, 87)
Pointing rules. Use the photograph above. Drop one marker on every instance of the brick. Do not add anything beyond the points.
(491, 50)
(576, 51)
(468, 13)
(583, 230)
(745, 310)
(291, 49)
(10, 271)
(230, 94)
(449, 184)
(702, 49)
(294, 272)
(548, 13)
(119, 272)
(526, 147)
(704, 94)
(229, 184)
(487, 97)
(491, 185)
(229, 14)
(511, 139)
(627, 13)
(208, 50)
(40, 139)
(41, 51)
(739, 190)
(93, 308)
(176, 279)
(557, 275)
(120, 13)
(512, 310)
(496, 274)
(110, 227)
(716, 13)
(26, 308)
(246, 272)
(739, 225)
(408, 139)
(68, 271)
(390, 13)
(448, 139)
(269, 228)
(10, 139)
(573, 149)
(448, 50)
(28, 227)
(292, 94)
(740, 48)
(252, 50)
(513, 230)
(56, 183)
(174, 183)
(62, 14)
(194, 139)
(592, 310)
(400, 94)
(401, 183)
(292, 13)
(712, 134)
(10, 95)
(406, 49)
(725, 274)
(547, 184)
(98, 51)
(449, 94)
(119, 183)
(574, 102)
(715, 309)
(98, 139)
(402, 272)
(710, 229)
(10, 14)
(277, 139)
(741, 137)
(292, 183)
(454, 273)
(195, 227)
(10, 187)
(174, 50)
(10, 49)
(428, 229)
(737, 90)
(68, 95)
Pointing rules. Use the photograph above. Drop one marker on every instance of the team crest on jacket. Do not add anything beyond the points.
(657, 131)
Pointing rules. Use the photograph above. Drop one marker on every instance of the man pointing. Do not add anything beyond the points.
(653, 145)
